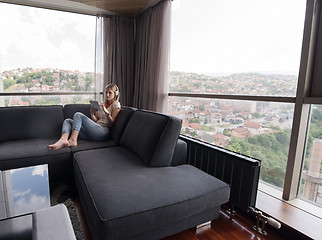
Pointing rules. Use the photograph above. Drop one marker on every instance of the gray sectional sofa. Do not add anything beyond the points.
(133, 186)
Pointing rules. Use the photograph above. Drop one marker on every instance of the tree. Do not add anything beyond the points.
(271, 149)
(194, 120)
(316, 123)
(201, 107)
(226, 132)
(88, 81)
(29, 85)
(235, 147)
(8, 83)
(283, 137)
(257, 115)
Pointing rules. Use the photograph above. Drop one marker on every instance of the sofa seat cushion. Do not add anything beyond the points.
(21, 153)
(88, 145)
(124, 197)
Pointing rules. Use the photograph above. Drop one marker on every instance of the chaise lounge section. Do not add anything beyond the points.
(131, 192)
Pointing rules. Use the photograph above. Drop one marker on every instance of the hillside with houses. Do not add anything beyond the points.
(240, 84)
(253, 128)
(29, 80)
(46, 80)
(217, 121)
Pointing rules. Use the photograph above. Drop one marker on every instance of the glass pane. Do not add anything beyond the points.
(311, 179)
(27, 189)
(44, 50)
(246, 47)
(257, 129)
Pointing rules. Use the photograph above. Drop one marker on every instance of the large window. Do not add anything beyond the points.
(247, 55)
(45, 51)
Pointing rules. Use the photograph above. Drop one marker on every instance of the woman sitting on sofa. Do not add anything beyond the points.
(96, 128)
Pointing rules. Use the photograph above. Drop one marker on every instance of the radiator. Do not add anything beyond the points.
(239, 171)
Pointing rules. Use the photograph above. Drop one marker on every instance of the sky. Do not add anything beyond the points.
(213, 36)
(41, 38)
(208, 36)
(30, 188)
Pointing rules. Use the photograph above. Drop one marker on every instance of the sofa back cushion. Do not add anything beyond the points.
(30, 122)
(120, 122)
(152, 137)
(71, 109)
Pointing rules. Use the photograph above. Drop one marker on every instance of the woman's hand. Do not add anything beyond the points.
(94, 114)
(104, 108)
(93, 111)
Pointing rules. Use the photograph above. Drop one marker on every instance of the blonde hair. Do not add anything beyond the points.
(116, 91)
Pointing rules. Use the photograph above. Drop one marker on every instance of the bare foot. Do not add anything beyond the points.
(72, 143)
(59, 144)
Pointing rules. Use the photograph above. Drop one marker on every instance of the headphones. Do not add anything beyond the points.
(117, 90)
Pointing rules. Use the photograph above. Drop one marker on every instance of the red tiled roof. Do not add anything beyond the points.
(195, 125)
(251, 124)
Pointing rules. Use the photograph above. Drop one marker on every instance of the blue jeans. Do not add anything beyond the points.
(87, 128)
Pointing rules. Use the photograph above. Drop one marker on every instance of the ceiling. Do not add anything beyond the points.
(123, 7)
(130, 8)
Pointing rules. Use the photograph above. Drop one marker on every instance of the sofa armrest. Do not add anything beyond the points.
(180, 153)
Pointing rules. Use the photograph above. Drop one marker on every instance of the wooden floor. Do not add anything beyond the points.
(226, 227)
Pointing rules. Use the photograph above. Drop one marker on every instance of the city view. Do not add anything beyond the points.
(29, 80)
(255, 84)
(257, 129)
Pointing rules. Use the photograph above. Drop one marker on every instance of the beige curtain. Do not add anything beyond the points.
(152, 57)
